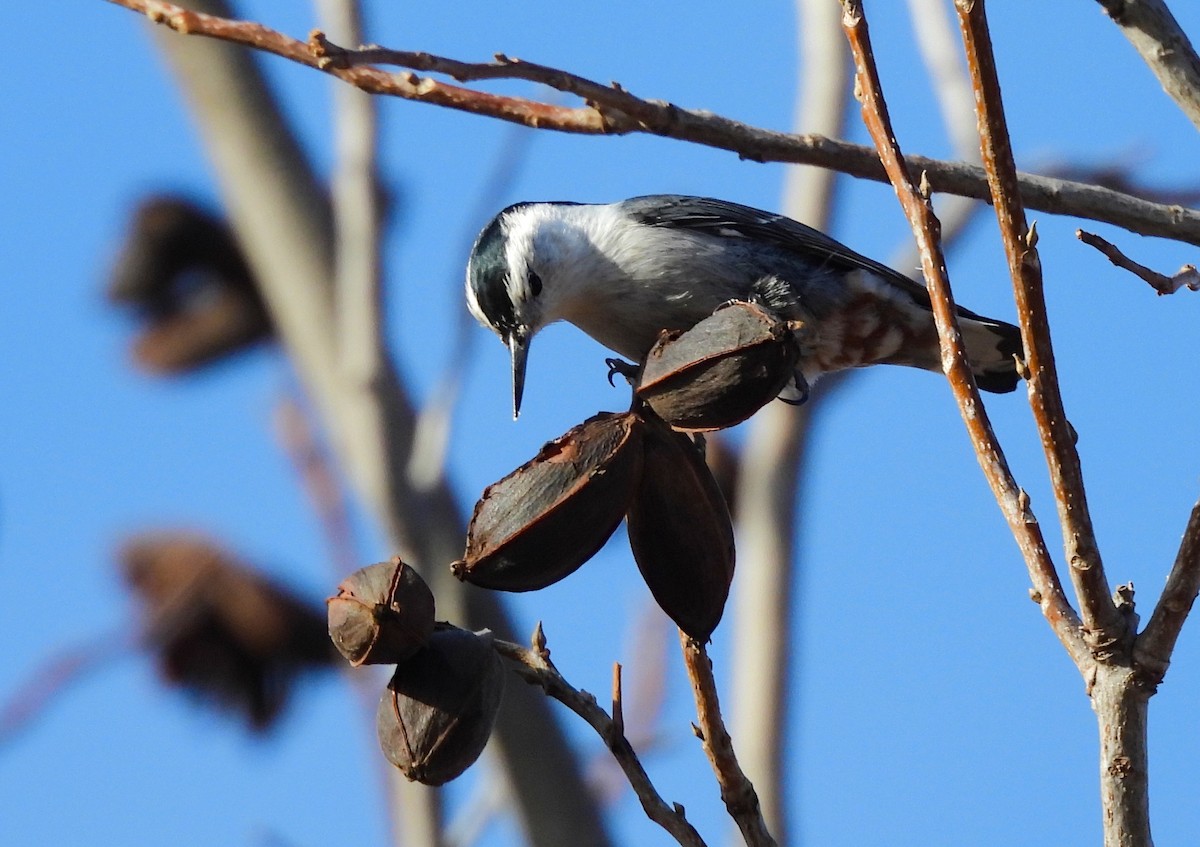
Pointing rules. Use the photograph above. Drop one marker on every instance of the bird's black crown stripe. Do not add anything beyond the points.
(489, 274)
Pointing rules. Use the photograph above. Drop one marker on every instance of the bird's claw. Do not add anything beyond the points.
(625, 369)
(796, 392)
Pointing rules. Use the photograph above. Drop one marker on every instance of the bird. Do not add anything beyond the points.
(623, 272)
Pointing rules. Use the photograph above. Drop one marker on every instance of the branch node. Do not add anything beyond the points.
(1022, 367)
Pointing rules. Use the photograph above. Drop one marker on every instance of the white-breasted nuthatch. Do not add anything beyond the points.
(625, 271)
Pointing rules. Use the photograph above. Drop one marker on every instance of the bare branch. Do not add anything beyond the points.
(615, 111)
(1014, 503)
(767, 489)
(1120, 700)
(535, 667)
(1164, 46)
(1185, 277)
(1154, 646)
(737, 792)
(1104, 627)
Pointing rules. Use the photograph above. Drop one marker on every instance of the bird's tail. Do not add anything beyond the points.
(992, 348)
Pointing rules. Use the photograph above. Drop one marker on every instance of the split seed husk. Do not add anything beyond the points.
(548, 517)
(722, 370)
(381, 615)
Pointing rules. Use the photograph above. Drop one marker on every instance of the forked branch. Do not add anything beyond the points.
(534, 665)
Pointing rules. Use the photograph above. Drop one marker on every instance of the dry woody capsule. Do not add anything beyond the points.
(548, 517)
(381, 615)
(680, 532)
(722, 370)
(436, 714)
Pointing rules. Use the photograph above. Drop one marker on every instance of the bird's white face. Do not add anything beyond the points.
(505, 288)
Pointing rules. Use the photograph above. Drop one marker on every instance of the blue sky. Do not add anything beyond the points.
(933, 706)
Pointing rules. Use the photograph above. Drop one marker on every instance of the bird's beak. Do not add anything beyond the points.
(518, 346)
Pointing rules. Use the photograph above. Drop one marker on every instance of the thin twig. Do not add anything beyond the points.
(535, 667)
(1164, 46)
(296, 435)
(1155, 644)
(55, 675)
(616, 111)
(1185, 277)
(1014, 502)
(1104, 627)
(737, 791)
(618, 708)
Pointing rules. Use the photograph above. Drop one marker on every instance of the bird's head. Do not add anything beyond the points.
(516, 255)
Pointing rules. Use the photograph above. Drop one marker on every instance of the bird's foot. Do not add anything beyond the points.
(796, 392)
(625, 369)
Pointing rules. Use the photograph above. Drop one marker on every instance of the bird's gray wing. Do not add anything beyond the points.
(733, 220)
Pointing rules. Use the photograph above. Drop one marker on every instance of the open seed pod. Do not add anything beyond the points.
(680, 532)
(548, 517)
(721, 371)
(381, 615)
(437, 712)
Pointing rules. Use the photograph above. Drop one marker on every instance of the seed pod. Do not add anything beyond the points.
(680, 531)
(182, 273)
(721, 371)
(548, 517)
(437, 712)
(381, 615)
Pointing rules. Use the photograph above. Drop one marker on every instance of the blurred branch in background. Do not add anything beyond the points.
(1158, 38)
(772, 464)
(613, 110)
(283, 219)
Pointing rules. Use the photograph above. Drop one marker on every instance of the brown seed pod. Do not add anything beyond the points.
(381, 615)
(548, 517)
(182, 273)
(680, 531)
(721, 371)
(220, 629)
(437, 712)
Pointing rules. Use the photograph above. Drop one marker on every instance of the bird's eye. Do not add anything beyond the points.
(535, 283)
